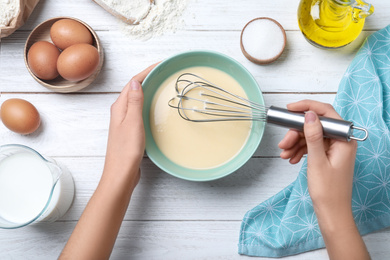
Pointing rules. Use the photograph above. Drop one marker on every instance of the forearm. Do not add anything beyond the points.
(341, 236)
(95, 234)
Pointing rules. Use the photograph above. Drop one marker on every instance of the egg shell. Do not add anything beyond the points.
(42, 60)
(20, 116)
(78, 62)
(67, 32)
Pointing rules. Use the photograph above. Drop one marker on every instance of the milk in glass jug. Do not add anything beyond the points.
(32, 188)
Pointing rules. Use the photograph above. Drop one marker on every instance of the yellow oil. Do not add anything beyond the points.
(328, 23)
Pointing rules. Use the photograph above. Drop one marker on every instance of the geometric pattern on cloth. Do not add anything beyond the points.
(286, 223)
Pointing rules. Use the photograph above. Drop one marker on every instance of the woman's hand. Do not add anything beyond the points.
(330, 169)
(126, 139)
(95, 233)
(330, 162)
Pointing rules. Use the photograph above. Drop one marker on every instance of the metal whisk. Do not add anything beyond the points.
(199, 100)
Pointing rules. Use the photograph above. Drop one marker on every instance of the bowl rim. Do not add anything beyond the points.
(72, 86)
(146, 117)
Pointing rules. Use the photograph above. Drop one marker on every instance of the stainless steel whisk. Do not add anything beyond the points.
(218, 104)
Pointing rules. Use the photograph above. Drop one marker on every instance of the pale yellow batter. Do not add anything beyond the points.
(196, 145)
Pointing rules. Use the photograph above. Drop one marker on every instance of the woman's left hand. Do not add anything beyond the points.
(126, 139)
(95, 233)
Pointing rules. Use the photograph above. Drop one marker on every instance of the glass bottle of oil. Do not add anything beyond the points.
(332, 23)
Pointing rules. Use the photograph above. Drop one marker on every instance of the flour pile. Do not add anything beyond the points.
(164, 16)
(8, 10)
(136, 9)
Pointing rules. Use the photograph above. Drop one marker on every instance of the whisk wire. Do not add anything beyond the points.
(218, 102)
(221, 92)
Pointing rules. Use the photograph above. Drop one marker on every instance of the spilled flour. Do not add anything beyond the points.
(136, 9)
(8, 10)
(164, 16)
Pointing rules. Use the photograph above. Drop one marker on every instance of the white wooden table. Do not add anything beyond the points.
(170, 218)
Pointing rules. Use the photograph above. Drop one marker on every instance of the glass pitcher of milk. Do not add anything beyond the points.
(32, 188)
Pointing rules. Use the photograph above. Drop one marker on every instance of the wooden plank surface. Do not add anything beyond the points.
(170, 218)
(78, 128)
(164, 239)
(284, 75)
(217, 15)
(163, 197)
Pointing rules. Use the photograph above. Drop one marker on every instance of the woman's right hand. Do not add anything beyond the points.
(330, 169)
(330, 162)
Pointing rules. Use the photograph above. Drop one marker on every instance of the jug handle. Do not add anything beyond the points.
(361, 10)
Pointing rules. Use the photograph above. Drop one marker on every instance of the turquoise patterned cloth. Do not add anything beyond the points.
(286, 224)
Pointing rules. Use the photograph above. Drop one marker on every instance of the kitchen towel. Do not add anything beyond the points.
(286, 224)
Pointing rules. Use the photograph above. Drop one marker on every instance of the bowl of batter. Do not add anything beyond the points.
(191, 150)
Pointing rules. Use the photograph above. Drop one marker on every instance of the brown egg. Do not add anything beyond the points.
(78, 62)
(20, 116)
(67, 32)
(42, 60)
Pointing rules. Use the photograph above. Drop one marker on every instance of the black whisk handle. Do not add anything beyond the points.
(333, 128)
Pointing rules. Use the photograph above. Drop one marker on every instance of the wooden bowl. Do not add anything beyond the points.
(263, 61)
(59, 84)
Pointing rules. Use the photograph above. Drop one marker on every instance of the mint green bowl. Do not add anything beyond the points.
(210, 59)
